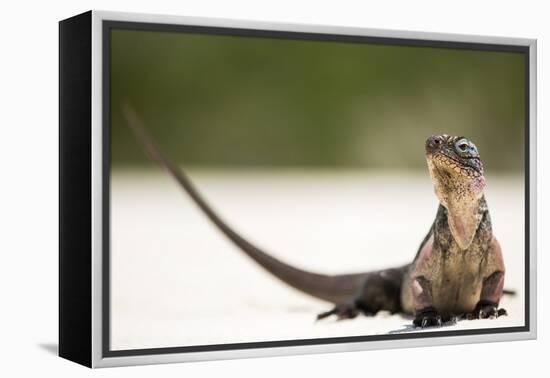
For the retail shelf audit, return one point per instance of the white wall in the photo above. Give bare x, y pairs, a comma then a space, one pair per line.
28, 200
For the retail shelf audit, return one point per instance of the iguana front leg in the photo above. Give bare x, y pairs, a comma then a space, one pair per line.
425, 314
492, 288
487, 307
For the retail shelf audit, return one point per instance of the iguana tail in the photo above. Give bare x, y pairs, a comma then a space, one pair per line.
335, 289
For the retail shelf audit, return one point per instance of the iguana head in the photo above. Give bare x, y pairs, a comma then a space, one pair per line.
457, 176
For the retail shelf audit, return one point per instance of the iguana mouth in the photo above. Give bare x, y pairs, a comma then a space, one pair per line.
450, 163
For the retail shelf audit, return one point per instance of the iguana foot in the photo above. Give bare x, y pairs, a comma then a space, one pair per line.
342, 311
485, 310
427, 317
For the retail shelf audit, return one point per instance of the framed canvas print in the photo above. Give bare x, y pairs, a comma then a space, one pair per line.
236, 189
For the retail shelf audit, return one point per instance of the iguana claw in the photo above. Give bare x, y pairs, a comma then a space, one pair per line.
486, 310
428, 317
342, 311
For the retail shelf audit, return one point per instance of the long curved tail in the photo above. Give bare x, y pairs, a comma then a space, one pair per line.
335, 289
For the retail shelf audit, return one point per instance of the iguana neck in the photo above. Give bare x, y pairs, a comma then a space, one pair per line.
463, 199
464, 223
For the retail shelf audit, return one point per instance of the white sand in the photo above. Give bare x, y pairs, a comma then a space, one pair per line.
176, 281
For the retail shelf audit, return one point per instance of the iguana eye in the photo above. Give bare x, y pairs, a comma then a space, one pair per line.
466, 148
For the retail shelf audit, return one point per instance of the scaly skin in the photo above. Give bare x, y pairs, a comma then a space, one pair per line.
458, 269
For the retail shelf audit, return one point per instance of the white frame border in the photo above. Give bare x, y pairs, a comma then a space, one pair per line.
97, 153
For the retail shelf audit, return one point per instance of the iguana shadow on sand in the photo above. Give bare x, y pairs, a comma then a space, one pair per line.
458, 271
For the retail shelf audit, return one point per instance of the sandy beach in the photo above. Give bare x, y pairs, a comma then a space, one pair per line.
176, 281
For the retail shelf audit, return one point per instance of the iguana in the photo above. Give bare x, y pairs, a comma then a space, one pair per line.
458, 270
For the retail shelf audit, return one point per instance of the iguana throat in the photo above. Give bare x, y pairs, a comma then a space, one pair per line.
457, 176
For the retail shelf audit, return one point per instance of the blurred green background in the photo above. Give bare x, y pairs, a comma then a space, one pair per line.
227, 101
